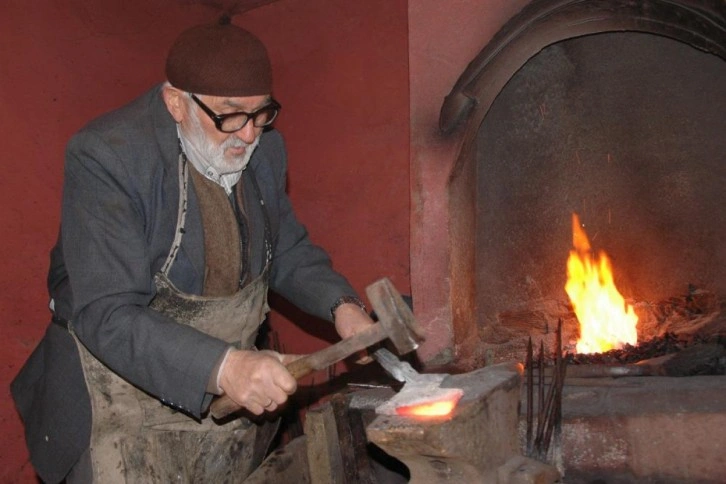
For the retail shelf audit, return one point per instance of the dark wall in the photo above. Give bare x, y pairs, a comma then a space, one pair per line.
341, 73
624, 129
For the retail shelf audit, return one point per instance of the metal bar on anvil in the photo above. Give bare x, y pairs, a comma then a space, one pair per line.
419, 391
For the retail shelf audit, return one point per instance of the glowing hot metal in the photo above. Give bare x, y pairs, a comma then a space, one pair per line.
421, 396
431, 409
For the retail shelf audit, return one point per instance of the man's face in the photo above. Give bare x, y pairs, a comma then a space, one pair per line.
226, 152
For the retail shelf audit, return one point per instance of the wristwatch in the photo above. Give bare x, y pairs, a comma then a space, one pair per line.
346, 300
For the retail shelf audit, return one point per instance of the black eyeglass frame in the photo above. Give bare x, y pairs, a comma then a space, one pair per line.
219, 119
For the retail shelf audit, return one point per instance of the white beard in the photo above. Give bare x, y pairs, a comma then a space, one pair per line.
204, 153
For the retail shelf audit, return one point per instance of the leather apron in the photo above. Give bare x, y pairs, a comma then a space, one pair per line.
137, 438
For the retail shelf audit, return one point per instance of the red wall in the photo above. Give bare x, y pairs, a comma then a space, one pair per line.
436, 60
341, 73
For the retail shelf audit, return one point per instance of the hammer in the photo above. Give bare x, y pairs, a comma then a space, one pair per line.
395, 322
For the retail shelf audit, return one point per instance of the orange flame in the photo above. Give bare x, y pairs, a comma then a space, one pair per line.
439, 408
606, 321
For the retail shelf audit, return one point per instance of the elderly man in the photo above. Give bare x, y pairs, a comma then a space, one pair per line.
174, 224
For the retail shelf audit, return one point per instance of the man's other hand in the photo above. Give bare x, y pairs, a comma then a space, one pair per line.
351, 319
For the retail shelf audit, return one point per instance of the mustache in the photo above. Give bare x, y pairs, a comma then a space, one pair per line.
234, 142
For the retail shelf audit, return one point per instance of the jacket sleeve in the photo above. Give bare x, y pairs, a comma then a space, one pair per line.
302, 272
109, 268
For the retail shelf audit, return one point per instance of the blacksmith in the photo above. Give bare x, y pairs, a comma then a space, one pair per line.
175, 223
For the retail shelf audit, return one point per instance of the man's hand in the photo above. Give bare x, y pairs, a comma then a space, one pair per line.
350, 319
257, 380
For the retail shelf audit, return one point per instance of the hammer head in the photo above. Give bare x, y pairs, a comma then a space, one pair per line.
394, 316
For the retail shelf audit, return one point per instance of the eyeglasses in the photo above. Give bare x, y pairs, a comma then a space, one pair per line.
232, 122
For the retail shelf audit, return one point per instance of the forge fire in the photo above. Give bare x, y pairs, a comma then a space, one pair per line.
606, 320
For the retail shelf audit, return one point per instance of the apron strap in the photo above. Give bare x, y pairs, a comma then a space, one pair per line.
181, 213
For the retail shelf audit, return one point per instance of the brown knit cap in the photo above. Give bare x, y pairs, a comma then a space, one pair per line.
219, 59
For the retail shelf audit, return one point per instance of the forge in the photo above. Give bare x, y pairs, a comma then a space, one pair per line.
611, 109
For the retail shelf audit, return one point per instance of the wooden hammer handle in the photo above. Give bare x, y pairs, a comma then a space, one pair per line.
337, 352
319, 360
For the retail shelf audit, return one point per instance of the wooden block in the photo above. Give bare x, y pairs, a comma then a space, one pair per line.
352, 442
324, 458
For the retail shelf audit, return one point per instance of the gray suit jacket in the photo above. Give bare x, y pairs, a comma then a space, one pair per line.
119, 212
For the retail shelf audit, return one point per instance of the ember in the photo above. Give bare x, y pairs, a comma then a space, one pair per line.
658, 346
606, 322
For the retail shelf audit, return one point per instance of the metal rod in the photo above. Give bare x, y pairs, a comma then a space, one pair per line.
555, 392
543, 430
541, 397
530, 394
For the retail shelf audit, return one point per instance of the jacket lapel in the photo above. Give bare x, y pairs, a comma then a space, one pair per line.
166, 135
